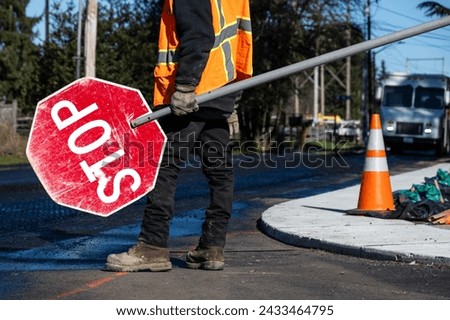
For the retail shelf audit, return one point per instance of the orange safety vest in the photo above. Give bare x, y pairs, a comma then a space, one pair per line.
230, 58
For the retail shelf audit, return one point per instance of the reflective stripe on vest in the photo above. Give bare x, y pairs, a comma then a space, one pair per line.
171, 56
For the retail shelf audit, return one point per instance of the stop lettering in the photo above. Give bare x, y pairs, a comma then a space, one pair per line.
84, 151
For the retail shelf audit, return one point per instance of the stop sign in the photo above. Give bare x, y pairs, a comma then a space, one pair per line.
84, 151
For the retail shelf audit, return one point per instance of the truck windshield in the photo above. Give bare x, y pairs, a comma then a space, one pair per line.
397, 96
430, 98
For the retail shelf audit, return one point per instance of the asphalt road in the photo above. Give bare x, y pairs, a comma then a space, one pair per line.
51, 252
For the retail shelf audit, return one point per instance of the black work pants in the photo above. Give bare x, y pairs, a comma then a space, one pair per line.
210, 139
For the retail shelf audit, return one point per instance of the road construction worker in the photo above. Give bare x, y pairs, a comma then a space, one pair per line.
203, 45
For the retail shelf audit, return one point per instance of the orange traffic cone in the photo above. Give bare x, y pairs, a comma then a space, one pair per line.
375, 195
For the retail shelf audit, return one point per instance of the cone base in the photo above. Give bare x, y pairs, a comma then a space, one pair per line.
386, 214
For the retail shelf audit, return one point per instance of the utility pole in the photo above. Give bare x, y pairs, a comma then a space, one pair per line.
91, 37
367, 74
348, 78
47, 20
78, 57
296, 97
370, 71
294, 5
322, 89
316, 93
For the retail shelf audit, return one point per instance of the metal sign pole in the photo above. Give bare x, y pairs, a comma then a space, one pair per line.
303, 65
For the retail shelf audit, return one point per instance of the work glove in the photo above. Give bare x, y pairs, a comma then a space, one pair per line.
233, 123
183, 100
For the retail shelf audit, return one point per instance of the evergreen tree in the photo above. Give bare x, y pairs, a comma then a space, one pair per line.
127, 47
18, 53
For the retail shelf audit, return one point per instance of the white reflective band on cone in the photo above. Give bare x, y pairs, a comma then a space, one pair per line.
375, 140
375, 164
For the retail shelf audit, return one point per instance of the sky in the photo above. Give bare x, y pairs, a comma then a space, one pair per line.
427, 53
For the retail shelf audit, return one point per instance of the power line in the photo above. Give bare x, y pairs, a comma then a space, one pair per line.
400, 14
437, 41
388, 28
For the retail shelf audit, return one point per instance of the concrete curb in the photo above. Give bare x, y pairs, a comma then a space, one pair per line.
321, 222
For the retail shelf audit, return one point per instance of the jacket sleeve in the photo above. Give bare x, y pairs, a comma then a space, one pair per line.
196, 38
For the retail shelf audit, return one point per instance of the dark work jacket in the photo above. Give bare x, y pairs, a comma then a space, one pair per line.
196, 35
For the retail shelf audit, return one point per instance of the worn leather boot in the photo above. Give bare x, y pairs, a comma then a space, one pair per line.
140, 257
205, 257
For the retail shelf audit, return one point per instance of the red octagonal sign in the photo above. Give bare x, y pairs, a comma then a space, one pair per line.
84, 151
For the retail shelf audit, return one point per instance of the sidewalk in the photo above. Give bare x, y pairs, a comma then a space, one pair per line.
321, 222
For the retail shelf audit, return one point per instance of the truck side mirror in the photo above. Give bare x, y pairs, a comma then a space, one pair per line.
447, 98
378, 94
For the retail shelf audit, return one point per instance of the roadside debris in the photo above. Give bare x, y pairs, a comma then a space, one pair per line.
440, 218
428, 201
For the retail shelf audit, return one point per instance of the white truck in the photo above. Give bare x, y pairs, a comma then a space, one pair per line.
414, 111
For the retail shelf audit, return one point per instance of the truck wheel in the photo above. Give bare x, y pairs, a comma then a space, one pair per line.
395, 149
441, 149
446, 149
